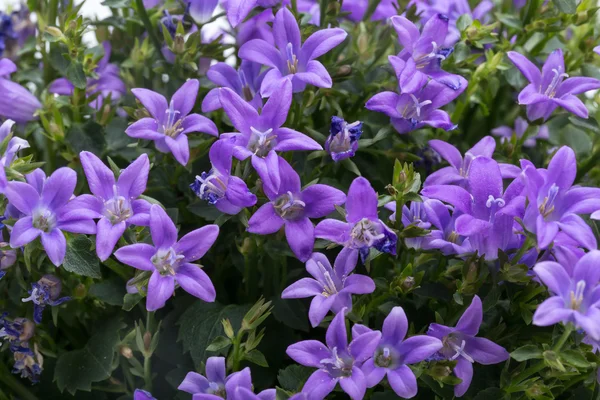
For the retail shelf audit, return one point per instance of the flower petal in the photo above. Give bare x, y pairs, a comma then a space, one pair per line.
59, 188
100, 178
309, 353
185, 97
471, 319
300, 236
23, 232
198, 123
260, 51
354, 385
22, 195
145, 128
485, 352
107, 236
527, 68
321, 42
265, 221
133, 179
403, 381
195, 244
361, 201
463, 370
137, 255
418, 348
162, 228
55, 244
160, 289
195, 281
155, 103
305, 287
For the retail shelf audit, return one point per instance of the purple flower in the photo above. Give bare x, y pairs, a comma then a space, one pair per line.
410, 111
343, 138
576, 295
257, 27
260, 135
331, 288
292, 207
140, 394
107, 84
170, 261
394, 353
47, 210
45, 292
487, 209
505, 132
7, 31
549, 89
228, 193
461, 344
336, 362
202, 10
554, 203
170, 123
597, 49
414, 215
28, 362
16, 102
289, 59
363, 229
15, 144
238, 10
423, 54
116, 203
16, 332
245, 82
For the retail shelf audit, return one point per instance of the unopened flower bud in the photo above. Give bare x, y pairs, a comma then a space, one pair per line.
126, 352
54, 31
147, 340
178, 44
408, 283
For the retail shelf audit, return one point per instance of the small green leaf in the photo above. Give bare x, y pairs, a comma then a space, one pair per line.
293, 377
130, 300
110, 292
566, 6
526, 352
219, 343
80, 259
574, 358
257, 358
76, 75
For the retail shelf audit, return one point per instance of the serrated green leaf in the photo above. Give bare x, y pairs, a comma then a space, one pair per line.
75, 75
80, 258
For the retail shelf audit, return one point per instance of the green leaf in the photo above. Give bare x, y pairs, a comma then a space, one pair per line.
110, 292
566, 6
292, 313
526, 352
590, 124
350, 166
78, 369
575, 358
201, 324
219, 343
130, 300
117, 3
491, 393
463, 22
88, 137
293, 377
76, 75
257, 358
80, 259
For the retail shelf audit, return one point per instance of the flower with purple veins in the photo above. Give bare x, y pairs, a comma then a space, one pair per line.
47, 209
552, 87
115, 201
289, 59
140, 394
228, 193
16, 103
461, 344
506, 132
245, 82
343, 138
363, 229
575, 297
170, 123
337, 361
554, 204
410, 111
45, 292
259, 136
487, 209
458, 171
423, 54
170, 260
395, 352
293, 207
331, 288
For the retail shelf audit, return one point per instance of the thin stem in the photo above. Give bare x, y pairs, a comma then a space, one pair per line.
563, 339
148, 25
148, 356
50, 21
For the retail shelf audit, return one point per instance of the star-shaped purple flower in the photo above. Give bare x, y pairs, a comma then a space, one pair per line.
343, 138
363, 229
260, 135
170, 260
394, 353
506, 132
140, 394
170, 123
293, 207
461, 344
245, 82
337, 361
576, 295
115, 202
549, 88
331, 288
289, 59
47, 210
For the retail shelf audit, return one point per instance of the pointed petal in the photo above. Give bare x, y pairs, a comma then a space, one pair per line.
485, 352
463, 370
22, 196
198, 123
195, 281
23, 232
554, 276
361, 201
275, 111
527, 68
300, 235
155, 103
551, 311
265, 221
55, 244
59, 188
354, 385
195, 244
100, 178
185, 97
321, 42
403, 381
260, 51
305, 287
137, 256
133, 179
162, 228
241, 114
107, 236
418, 348
308, 353
448, 152
160, 289
321, 200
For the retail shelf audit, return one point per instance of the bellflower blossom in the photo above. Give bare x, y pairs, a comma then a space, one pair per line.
140, 394
28, 363
423, 53
245, 82
575, 296
47, 211
554, 203
238, 10
45, 292
15, 144
260, 135
488, 210
331, 288
116, 200
16, 102
506, 132
170, 123
257, 27
395, 352
16, 332
343, 138
414, 215
7, 31
293, 207
228, 193
461, 344
363, 229
550, 88
170, 260
458, 171
410, 111
289, 59
337, 361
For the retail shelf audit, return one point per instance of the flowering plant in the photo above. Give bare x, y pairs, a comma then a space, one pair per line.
300, 199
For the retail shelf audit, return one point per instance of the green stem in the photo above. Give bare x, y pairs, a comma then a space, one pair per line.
563, 339
237, 347
50, 21
148, 357
526, 246
8, 380
148, 25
